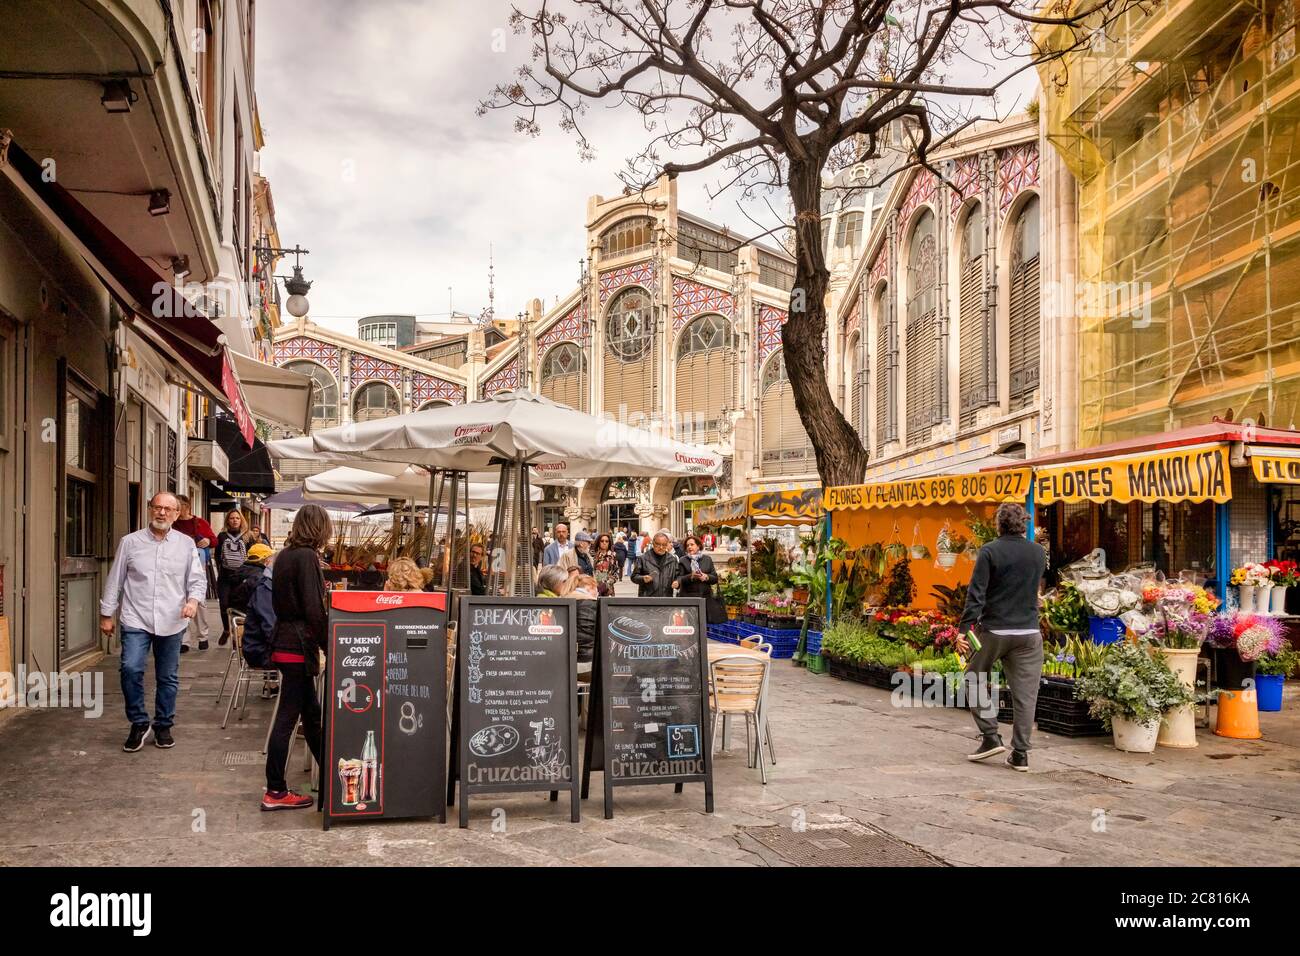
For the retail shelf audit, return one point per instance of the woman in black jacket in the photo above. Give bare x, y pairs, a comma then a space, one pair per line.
697, 575
301, 621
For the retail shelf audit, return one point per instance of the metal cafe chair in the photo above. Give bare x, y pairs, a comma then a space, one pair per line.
740, 688
234, 620
245, 677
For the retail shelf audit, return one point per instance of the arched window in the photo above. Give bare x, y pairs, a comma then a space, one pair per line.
629, 353
849, 230
786, 449
1023, 307
630, 235
434, 403
852, 382
325, 395
706, 377
886, 368
564, 370
974, 340
375, 400
922, 331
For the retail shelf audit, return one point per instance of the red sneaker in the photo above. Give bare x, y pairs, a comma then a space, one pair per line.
288, 800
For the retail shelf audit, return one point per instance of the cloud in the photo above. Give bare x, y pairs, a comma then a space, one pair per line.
381, 168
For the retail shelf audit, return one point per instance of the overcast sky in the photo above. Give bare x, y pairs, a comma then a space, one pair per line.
379, 166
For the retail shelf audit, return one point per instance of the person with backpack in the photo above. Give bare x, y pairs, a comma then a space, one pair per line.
301, 623
253, 597
232, 551
245, 580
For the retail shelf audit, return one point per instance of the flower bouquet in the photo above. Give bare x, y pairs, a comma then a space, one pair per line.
1285, 574
1250, 580
1240, 640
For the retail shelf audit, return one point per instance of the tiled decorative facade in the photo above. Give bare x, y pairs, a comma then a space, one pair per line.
425, 388
965, 181
301, 347
1017, 171
568, 328
770, 320
640, 273
365, 368
923, 190
690, 298
506, 377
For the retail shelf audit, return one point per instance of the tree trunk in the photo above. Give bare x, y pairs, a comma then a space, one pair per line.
841, 457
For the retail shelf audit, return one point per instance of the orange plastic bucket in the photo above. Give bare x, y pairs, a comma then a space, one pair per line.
1238, 715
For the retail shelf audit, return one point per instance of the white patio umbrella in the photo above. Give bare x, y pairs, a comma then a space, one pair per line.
521, 432
513, 425
370, 487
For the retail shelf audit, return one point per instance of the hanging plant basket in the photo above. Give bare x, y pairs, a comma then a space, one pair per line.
946, 559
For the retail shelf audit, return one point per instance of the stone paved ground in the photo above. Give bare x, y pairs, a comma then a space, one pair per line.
848, 762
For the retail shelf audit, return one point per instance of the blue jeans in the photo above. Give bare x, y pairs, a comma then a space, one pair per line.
166, 665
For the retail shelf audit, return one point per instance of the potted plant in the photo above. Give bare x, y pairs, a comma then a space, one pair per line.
1285, 575
1273, 669
1130, 692
1178, 631
982, 531
1250, 579
949, 546
1240, 640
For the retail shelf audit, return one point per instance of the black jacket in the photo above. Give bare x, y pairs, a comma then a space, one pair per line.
1003, 592
584, 562
620, 552
298, 596
691, 588
242, 583
586, 629
664, 571
477, 580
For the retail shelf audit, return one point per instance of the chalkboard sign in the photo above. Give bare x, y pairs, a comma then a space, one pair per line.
385, 739
518, 721
650, 720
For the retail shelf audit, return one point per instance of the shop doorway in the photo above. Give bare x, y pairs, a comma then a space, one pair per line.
618, 505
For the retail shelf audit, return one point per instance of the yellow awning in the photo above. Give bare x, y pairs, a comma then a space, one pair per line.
799, 506
1275, 466
1009, 485
1194, 473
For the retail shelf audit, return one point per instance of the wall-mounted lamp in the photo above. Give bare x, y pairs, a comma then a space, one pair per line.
160, 202
118, 96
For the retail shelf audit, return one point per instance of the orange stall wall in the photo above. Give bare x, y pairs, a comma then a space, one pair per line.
863, 527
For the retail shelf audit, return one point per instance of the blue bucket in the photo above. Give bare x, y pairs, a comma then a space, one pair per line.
1105, 630
1268, 690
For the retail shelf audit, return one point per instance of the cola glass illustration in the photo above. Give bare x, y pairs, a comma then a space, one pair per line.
350, 779
369, 768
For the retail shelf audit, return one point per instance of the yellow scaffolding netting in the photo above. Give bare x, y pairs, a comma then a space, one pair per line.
1179, 121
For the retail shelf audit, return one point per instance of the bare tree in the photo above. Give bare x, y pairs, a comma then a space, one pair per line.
776, 93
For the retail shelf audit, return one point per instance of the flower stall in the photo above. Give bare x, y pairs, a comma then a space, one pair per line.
768, 591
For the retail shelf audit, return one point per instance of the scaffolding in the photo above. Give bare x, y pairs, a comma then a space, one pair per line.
1179, 122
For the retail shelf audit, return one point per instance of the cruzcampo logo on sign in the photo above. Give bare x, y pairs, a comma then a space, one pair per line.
1196, 474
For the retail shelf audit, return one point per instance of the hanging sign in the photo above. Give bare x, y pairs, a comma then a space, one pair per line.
1185, 474
1274, 469
1009, 485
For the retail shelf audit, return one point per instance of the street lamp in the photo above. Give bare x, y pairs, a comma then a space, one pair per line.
297, 287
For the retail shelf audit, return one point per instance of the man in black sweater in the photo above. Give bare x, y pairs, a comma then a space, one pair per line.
1002, 602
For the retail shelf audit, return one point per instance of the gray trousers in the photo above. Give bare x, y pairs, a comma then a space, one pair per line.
1022, 669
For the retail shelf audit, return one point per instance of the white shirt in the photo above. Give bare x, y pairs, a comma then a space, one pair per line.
150, 581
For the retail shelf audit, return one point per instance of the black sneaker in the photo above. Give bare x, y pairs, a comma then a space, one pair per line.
135, 740
221, 641
989, 746
1019, 760
203, 645
162, 737
185, 648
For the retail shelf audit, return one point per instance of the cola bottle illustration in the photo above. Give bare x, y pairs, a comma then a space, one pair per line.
369, 768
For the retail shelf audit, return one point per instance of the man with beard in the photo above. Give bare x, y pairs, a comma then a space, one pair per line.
154, 586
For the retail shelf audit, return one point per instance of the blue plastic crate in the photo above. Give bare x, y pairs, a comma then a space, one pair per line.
1105, 630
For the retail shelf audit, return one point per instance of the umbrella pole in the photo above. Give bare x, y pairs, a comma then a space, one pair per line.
749, 558
494, 568
524, 543
451, 532
435, 493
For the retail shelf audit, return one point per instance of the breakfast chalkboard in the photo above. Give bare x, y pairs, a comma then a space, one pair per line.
650, 719
385, 734
518, 722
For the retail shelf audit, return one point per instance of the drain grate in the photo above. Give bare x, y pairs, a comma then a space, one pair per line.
839, 846
242, 758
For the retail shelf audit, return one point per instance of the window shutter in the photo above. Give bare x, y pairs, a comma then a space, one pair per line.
1024, 333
